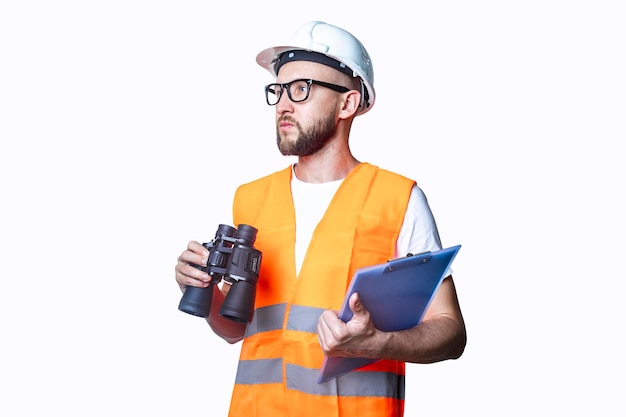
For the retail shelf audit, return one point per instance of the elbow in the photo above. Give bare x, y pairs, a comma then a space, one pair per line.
458, 352
232, 340
459, 346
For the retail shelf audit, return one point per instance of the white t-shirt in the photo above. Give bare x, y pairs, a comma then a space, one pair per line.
418, 234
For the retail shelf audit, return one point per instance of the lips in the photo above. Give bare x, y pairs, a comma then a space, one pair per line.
285, 124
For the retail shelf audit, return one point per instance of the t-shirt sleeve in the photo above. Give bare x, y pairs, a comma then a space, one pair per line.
419, 231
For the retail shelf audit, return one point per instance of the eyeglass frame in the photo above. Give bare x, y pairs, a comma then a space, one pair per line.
309, 82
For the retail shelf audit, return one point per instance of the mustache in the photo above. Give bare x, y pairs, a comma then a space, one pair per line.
288, 119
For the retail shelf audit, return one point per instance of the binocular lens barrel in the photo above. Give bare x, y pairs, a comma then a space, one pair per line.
239, 303
225, 230
247, 233
197, 301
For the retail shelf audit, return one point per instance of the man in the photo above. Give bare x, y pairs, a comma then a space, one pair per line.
318, 221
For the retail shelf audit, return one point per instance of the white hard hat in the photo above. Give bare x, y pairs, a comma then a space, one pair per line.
329, 41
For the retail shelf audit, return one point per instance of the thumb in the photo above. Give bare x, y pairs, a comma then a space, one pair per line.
356, 305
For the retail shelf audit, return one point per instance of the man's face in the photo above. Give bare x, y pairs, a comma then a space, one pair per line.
304, 128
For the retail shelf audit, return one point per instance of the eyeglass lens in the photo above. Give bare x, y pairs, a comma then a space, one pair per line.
297, 91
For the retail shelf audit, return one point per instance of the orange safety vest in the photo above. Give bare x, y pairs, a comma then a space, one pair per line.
280, 356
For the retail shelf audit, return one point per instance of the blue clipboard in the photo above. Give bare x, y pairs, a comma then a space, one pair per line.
396, 294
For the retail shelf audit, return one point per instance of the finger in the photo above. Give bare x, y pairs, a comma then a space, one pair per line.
196, 247
195, 254
187, 274
190, 281
322, 325
356, 305
321, 337
326, 335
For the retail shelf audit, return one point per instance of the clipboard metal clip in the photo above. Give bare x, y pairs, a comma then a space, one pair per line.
399, 265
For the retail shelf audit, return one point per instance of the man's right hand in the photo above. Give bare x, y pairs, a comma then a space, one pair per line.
188, 275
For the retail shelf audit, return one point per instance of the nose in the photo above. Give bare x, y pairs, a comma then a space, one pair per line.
284, 104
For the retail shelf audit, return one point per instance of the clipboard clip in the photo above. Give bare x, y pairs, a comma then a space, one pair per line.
391, 267
408, 255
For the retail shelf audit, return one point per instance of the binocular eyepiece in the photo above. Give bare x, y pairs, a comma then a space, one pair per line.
233, 258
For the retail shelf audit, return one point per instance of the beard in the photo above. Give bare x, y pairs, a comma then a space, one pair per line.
309, 140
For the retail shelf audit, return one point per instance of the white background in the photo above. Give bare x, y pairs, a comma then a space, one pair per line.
125, 127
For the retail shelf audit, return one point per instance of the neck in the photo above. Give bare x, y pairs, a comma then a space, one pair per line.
318, 169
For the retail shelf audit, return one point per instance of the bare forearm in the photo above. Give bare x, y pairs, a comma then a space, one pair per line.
439, 337
435, 340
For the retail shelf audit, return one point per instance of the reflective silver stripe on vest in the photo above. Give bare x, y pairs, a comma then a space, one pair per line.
260, 371
301, 318
266, 319
304, 319
354, 384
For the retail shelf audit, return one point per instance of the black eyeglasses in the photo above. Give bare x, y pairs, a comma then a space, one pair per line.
297, 90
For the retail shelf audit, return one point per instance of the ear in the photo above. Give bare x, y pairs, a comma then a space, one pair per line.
351, 103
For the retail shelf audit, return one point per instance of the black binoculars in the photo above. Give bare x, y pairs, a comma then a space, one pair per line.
233, 258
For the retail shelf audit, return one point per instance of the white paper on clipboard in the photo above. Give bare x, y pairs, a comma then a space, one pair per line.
396, 294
